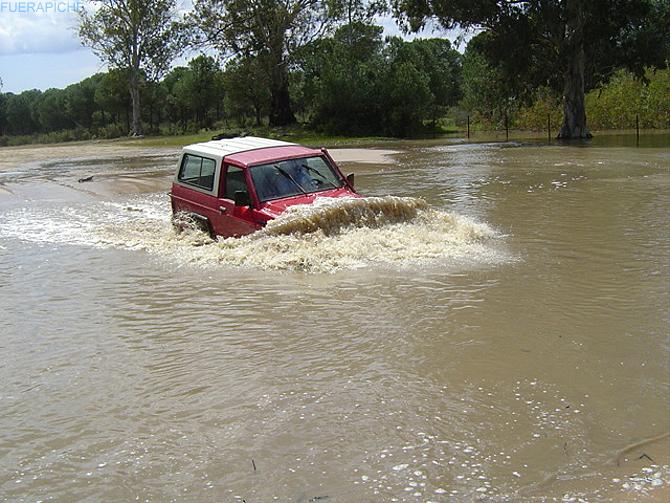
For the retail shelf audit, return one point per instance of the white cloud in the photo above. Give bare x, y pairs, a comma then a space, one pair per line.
38, 32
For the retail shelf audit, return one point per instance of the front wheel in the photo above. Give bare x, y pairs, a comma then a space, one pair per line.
185, 221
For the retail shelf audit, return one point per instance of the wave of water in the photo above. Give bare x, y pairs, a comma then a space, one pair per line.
327, 236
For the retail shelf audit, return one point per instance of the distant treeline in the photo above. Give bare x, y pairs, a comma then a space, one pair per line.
617, 104
354, 82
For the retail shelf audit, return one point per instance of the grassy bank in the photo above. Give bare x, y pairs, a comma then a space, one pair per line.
295, 135
649, 137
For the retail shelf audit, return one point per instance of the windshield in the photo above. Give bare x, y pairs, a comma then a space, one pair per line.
294, 177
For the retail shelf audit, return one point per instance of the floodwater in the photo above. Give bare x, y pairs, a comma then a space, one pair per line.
504, 338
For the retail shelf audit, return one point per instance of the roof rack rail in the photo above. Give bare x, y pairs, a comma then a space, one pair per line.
228, 136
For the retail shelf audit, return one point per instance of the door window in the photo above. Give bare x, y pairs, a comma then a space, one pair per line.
197, 171
234, 181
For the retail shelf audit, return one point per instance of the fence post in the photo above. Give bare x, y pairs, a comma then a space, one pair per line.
549, 128
506, 127
468, 127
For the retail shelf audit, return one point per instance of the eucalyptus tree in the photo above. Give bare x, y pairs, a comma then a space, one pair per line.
269, 31
141, 37
570, 45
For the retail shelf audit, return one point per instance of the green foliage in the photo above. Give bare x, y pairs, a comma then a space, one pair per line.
140, 37
484, 94
355, 83
349, 82
247, 90
80, 101
202, 92
112, 99
615, 105
266, 29
545, 108
408, 99
569, 46
20, 112
343, 80
657, 99
612, 105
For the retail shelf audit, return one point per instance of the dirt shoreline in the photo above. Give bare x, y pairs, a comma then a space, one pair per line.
12, 158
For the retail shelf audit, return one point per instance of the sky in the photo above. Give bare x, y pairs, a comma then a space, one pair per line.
39, 48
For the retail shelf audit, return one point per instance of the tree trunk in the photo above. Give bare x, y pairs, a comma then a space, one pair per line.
574, 112
280, 104
258, 112
136, 129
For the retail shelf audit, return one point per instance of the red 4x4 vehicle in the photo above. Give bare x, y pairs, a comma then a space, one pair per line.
235, 186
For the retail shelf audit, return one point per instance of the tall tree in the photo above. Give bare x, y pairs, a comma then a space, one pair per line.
112, 98
201, 90
139, 36
534, 41
243, 99
268, 30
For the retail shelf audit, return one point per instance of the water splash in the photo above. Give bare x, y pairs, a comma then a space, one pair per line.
328, 236
332, 215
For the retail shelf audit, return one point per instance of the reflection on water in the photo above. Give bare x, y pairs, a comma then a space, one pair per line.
533, 363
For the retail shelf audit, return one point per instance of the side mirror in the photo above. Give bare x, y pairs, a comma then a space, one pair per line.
242, 198
350, 180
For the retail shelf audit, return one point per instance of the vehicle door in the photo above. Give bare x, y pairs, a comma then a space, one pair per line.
195, 191
235, 220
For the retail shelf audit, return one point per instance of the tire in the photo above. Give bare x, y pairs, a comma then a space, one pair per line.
184, 221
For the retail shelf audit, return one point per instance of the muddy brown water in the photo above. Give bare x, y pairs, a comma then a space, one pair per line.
511, 344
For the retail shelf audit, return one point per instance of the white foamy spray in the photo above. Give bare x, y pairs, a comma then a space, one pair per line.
330, 235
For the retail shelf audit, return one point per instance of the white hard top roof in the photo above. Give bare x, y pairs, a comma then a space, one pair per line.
228, 146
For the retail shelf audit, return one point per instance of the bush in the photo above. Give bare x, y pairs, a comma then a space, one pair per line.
534, 117
112, 131
614, 105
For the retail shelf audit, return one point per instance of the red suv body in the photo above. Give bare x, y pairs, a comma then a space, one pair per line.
235, 186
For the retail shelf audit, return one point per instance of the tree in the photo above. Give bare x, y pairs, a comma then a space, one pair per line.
440, 63
343, 80
20, 112
50, 110
269, 30
356, 82
484, 91
139, 36
112, 98
241, 98
200, 88
80, 101
569, 45
177, 99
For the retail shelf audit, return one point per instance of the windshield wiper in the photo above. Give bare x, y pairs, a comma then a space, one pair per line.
286, 174
316, 171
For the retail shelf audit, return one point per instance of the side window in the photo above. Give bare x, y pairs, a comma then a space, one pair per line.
234, 181
198, 171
